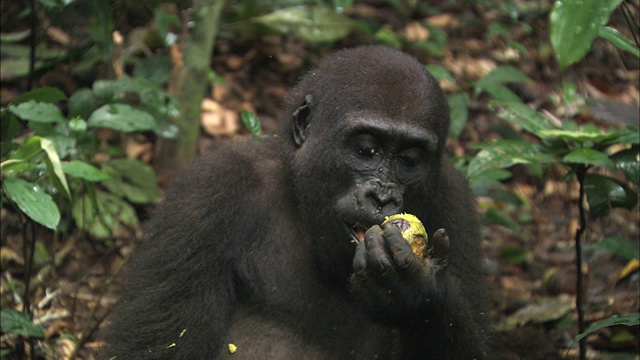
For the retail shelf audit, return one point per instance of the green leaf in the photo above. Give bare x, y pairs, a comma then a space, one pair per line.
82, 103
102, 216
83, 170
523, 116
620, 246
604, 193
581, 136
43, 95
311, 23
252, 122
440, 72
33, 201
627, 161
513, 254
589, 157
18, 323
574, 24
132, 179
459, 105
502, 94
618, 40
121, 117
501, 75
628, 320
501, 154
37, 112
54, 161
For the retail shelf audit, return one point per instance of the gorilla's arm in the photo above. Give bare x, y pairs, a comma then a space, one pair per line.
180, 296
425, 298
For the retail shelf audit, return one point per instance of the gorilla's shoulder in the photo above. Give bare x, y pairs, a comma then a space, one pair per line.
238, 169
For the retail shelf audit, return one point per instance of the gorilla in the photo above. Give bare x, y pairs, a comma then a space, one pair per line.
272, 248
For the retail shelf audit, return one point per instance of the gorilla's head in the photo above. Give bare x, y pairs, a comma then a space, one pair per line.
368, 127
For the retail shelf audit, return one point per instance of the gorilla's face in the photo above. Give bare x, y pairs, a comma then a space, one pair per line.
384, 161
368, 143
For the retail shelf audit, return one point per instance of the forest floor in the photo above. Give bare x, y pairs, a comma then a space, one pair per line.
533, 298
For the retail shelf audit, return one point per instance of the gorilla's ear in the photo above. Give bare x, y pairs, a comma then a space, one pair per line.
301, 120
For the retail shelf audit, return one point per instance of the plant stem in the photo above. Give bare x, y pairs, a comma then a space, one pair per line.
581, 171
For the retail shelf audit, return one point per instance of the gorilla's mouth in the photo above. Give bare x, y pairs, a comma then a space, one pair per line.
357, 232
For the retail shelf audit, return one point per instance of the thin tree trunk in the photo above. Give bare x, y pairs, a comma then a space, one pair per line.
191, 60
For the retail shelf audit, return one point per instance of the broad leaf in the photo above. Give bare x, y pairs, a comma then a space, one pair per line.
441, 73
102, 216
589, 157
33, 201
121, 117
574, 24
37, 112
604, 193
312, 23
83, 170
132, 179
618, 245
43, 95
18, 323
627, 161
500, 75
502, 154
523, 116
628, 320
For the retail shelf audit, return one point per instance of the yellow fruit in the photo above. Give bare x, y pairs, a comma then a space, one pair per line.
412, 230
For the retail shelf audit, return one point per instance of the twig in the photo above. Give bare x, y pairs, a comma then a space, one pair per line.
581, 171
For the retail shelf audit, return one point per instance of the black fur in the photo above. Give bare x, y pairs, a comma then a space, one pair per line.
253, 244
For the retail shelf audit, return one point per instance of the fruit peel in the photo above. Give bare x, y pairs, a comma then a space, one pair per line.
412, 230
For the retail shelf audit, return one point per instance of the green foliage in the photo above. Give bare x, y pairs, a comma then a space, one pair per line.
311, 23
18, 323
627, 320
575, 24
40, 170
251, 122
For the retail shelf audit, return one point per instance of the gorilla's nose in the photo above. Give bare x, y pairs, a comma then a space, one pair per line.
381, 198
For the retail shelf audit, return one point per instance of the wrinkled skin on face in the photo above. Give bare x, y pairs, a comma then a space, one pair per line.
386, 131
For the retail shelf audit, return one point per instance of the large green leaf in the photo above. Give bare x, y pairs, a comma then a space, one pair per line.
102, 216
312, 23
33, 201
628, 320
37, 111
83, 170
18, 323
121, 117
588, 157
132, 179
502, 154
43, 94
605, 193
627, 161
500, 75
574, 24
523, 116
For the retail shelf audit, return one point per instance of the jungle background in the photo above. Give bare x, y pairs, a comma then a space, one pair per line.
103, 101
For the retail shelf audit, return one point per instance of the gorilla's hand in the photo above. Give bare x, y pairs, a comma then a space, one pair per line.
392, 282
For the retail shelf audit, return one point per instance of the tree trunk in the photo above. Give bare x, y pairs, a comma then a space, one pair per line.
191, 60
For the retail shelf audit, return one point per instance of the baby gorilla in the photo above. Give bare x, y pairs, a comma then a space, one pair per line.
274, 245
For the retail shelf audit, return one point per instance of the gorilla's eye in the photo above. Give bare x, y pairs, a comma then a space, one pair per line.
367, 145
410, 157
